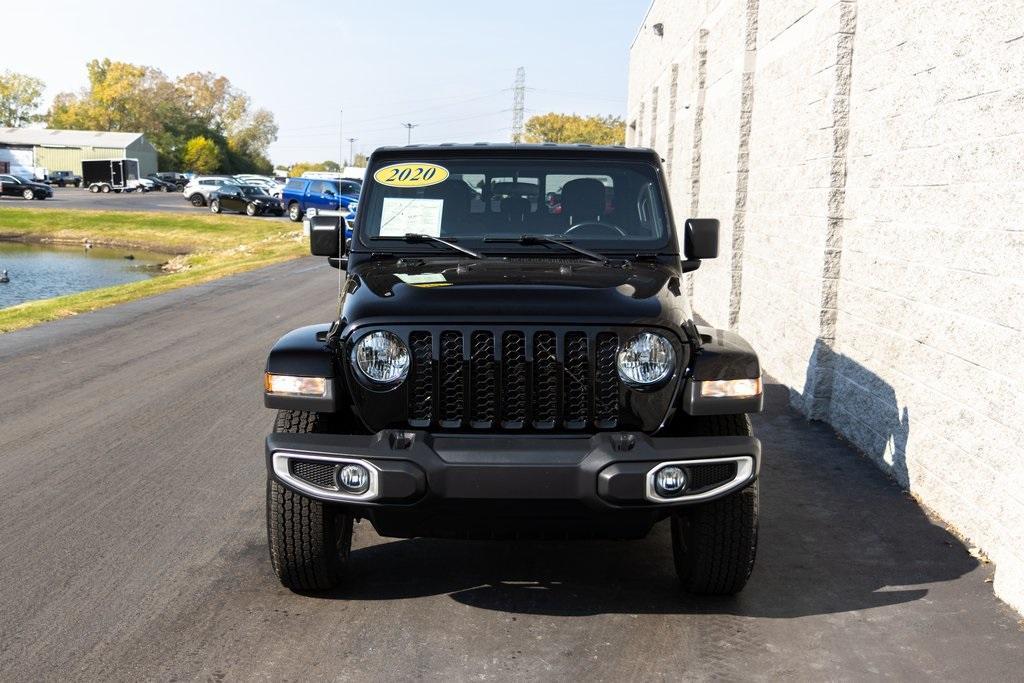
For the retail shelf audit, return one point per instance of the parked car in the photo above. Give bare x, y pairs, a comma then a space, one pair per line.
307, 195
175, 181
272, 187
64, 178
514, 372
248, 199
20, 186
143, 185
198, 190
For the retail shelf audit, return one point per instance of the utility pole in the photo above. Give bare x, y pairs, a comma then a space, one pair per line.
409, 127
341, 136
351, 150
518, 104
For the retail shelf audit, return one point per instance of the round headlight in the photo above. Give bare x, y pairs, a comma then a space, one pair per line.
382, 357
646, 359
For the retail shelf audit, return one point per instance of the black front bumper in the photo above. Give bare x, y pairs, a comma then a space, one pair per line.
417, 474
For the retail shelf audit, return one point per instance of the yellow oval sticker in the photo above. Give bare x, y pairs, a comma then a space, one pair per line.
412, 174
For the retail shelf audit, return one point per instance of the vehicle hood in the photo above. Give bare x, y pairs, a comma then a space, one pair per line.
514, 289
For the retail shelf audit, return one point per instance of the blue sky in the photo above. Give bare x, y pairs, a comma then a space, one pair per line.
447, 65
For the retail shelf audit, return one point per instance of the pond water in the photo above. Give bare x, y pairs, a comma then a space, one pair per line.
42, 271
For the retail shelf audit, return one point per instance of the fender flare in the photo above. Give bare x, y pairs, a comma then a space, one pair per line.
304, 352
723, 355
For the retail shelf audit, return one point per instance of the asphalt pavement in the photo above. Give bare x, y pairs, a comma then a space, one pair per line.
81, 199
132, 542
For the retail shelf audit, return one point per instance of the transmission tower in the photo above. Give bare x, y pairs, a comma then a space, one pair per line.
518, 104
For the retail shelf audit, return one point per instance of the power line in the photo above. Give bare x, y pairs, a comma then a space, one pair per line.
583, 95
435, 122
462, 100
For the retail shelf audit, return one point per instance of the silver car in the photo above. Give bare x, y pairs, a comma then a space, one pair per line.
198, 190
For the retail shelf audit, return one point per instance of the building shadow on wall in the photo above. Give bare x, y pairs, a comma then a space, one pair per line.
862, 406
836, 535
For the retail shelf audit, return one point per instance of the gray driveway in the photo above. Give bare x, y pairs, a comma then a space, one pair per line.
132, 541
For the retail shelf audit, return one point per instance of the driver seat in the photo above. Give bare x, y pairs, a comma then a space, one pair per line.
583, 200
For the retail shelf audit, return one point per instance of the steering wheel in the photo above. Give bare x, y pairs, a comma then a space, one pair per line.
606, 227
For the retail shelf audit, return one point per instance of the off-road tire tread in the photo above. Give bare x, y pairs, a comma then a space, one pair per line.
714, 544
309, 540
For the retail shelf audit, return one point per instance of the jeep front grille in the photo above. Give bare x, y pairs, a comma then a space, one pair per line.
512, 379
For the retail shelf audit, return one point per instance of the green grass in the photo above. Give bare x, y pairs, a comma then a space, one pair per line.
213, 247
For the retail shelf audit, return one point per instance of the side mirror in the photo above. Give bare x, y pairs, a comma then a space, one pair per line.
701, 238
325, 235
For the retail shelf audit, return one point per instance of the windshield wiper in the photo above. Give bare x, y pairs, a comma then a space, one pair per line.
527, 240
414, 238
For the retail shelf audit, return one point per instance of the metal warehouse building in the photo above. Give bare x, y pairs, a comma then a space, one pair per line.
25, 149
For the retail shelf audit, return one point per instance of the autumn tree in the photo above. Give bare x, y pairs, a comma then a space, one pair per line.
572, 128
202, 155
172, 114
20, 96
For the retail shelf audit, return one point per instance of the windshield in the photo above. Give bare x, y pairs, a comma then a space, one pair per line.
22, 179
604, 204
253, 191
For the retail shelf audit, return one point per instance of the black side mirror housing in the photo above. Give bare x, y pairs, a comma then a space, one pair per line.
325, 235
701, 239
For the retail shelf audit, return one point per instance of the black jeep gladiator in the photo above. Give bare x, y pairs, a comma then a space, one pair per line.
515, 355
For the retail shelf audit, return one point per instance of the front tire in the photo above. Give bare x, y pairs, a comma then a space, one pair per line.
714, 544
214, 206
309, 540
294, 212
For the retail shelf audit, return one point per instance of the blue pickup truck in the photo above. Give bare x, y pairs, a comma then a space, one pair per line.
309, 195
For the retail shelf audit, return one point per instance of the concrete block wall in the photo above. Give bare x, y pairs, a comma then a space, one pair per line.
866, 160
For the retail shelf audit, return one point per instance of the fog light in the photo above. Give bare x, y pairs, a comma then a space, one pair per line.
669, 481
354, 478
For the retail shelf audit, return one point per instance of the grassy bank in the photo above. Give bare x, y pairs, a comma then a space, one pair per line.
211, 247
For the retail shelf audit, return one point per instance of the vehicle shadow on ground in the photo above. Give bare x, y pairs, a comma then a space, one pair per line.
836, 535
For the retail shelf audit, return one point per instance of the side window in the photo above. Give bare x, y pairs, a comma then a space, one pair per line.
315, 187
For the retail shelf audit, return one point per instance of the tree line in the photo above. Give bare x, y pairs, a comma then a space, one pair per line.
201, 122
198, 122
